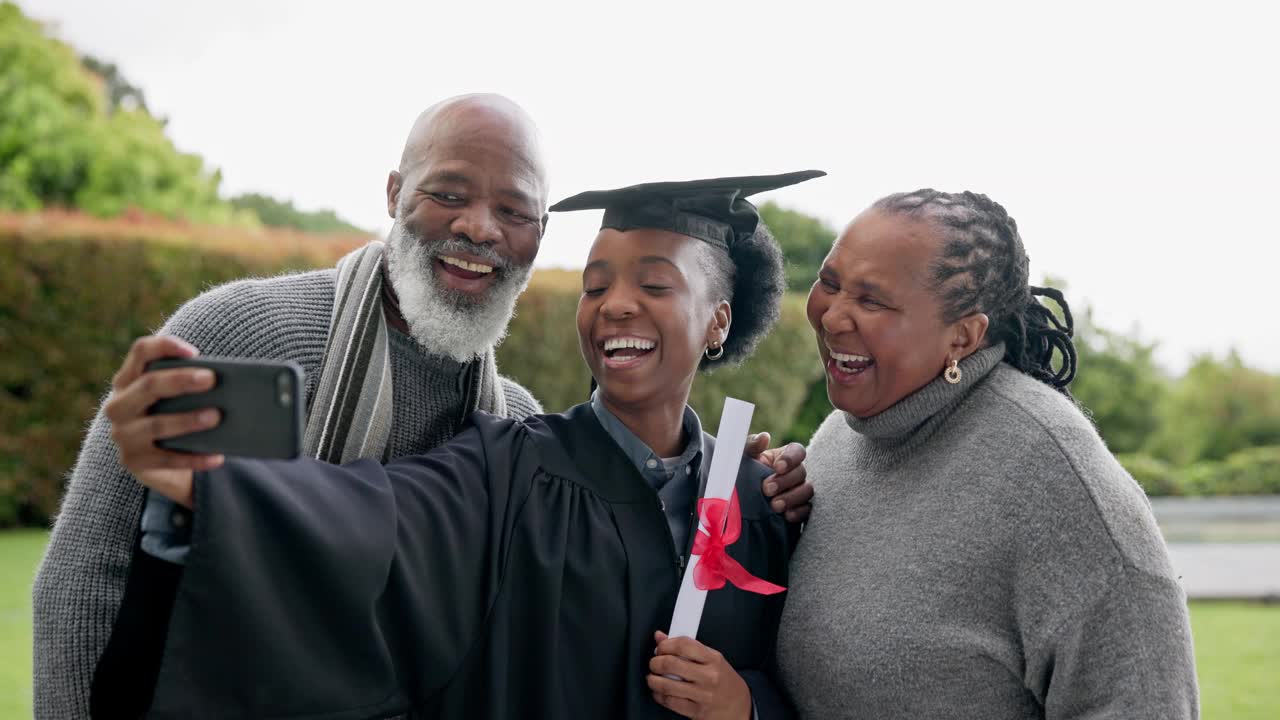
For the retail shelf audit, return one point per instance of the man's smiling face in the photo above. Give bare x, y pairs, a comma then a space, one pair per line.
468, 205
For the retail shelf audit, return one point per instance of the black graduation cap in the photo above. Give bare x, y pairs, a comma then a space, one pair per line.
715, 210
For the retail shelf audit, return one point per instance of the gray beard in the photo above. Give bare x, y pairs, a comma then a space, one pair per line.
440, 319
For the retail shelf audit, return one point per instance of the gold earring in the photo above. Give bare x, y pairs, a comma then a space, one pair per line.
719, 351
953, 374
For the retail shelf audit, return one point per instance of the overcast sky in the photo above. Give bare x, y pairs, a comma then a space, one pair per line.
1135, 143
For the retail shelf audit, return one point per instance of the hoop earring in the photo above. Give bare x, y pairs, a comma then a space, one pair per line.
719, 352
953, 374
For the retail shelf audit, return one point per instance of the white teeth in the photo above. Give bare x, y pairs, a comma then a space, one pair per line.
841, 357
473, 267
622, 343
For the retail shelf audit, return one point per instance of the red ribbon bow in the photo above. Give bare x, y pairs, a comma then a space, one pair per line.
723, 523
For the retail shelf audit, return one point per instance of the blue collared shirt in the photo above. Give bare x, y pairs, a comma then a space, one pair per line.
674, 479
166, 529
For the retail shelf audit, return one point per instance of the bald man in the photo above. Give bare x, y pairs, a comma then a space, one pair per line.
469, 205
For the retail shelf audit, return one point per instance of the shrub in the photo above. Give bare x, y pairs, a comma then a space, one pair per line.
813, 410
1253, 471
776, 378
75, 291
1156, 476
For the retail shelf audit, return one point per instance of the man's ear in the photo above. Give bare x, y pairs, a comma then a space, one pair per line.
394, 181
546, 218
968, 334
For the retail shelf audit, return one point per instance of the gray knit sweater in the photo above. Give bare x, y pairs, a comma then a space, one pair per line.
82, 578
975, 552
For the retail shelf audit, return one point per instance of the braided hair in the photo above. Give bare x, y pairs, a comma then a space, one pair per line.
983, 267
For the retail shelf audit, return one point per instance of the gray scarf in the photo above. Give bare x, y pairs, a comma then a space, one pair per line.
350, 415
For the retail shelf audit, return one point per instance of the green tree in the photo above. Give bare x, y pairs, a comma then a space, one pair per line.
277, 213
135, 165
47, 106
1119, 383
1216, 409
64, 142
805, 242
119, 91
1117, 380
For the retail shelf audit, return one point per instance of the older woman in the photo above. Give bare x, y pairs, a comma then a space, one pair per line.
976, 551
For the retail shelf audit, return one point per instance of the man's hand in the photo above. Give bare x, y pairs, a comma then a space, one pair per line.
709, 689
792, 494
133, 391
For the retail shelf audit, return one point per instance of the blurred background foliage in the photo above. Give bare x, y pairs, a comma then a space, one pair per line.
92, 191
281, 213
75, 133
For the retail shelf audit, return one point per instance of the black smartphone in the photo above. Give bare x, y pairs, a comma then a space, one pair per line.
261, 405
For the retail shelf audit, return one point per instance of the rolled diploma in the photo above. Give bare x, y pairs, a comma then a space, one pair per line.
735, 422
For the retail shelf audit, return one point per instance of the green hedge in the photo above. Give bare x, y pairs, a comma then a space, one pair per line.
69, 310
73, 297
1156, 476
1255, 471
71, 303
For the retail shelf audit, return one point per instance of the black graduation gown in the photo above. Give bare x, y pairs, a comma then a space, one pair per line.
518, 571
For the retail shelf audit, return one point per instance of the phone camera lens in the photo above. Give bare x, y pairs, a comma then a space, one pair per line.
282, 388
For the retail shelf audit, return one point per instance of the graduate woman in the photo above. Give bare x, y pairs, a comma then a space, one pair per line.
524, 569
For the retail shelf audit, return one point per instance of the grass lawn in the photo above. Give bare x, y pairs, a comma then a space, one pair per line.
20, 552
1237, 659
1237, 644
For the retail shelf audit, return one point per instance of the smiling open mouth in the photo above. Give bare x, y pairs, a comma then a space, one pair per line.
851, 364
622, 351
464, 269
